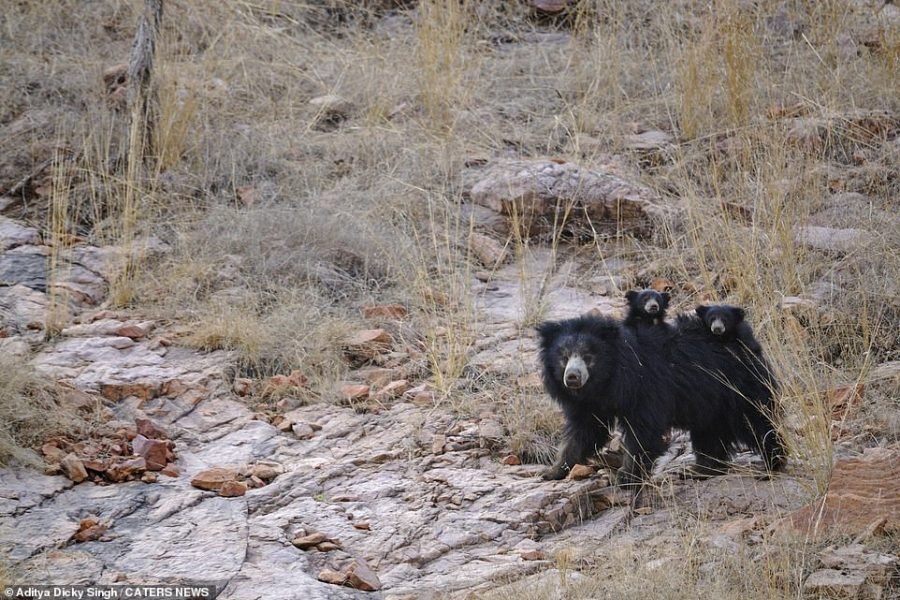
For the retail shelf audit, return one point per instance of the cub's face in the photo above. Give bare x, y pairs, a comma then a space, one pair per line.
648, 302
722, 319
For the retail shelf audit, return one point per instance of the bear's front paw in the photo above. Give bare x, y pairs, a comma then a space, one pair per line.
555, 472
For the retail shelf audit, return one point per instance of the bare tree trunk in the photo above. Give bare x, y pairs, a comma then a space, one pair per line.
142, 97
144, 104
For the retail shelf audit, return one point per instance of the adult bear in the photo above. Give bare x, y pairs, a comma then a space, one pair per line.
599, 371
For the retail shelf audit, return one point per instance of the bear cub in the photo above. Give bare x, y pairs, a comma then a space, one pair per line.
647, 307
727, 323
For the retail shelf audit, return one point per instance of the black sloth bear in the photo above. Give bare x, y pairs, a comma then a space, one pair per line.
598, 371
647, 307
727, 322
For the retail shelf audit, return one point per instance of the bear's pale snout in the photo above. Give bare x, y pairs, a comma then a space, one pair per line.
717, 326
576, 374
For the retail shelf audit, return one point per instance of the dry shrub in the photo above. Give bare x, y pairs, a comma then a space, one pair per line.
29, 413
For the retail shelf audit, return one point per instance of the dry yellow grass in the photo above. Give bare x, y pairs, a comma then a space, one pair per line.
30, 413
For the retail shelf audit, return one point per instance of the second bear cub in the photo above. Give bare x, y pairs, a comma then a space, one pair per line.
727, 323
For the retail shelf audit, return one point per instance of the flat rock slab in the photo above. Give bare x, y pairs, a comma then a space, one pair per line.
829, 239
13, 233
98, 364
433, 522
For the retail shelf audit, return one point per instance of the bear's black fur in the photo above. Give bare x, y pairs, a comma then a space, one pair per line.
598, 371
737, 383
728, 324
647, 307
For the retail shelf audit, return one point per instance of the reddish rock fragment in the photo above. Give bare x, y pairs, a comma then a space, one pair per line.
363, 525
213, 479
306, 542
384, 311
302, 431
242, 386
247, 195
124, 470
353, 392
392, 390
661, 284
154, 452
171, 470
73, 468
327, 546
297, 379
580, 472
361, 577
131, 331
149, 429
119, 391
533, 555
267, 472
233, 489
331, 576
78, 400
365, 345
52, 452
511, 459
96, 465
842, 399
488, 251
89, 529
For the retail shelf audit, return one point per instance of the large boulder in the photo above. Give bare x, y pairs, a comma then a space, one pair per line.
543, 196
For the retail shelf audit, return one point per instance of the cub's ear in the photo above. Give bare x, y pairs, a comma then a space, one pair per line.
666, 297
548, 331
702, 310
630, 295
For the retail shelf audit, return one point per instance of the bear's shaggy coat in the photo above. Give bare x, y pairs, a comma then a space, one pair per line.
600, 371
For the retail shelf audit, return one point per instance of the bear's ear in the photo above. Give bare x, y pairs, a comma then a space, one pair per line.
549, 331
702, 310
630, 295
666, 297
739, 313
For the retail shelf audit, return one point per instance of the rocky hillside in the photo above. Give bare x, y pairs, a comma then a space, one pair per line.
286, 347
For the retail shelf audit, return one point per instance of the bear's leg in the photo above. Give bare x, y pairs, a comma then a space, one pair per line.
711, 453
583, 438
763, 438
643, 444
